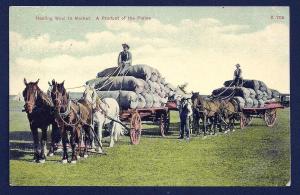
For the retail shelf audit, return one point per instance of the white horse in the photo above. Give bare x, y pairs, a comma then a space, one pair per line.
106, 107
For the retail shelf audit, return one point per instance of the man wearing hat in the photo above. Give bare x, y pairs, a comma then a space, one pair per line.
124, 59
185, 114
238, 80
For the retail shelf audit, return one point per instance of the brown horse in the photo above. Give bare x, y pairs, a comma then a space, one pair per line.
205, 109
39, 109
73, 117
229, 109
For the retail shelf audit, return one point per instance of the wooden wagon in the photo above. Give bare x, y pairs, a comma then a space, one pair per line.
267, 113
135, 118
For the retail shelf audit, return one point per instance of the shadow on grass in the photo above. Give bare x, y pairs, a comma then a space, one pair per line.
20, 135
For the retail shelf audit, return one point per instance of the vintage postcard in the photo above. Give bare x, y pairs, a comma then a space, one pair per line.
149, 96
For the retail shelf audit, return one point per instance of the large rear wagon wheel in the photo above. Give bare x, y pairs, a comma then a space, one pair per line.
270, 117
135, 128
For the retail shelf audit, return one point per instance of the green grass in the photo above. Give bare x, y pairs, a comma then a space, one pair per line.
255, 156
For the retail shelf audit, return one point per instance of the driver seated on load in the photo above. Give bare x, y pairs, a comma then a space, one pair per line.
124, 59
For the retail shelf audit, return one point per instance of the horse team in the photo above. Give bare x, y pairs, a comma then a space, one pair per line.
81, 118
87, 117
214, 113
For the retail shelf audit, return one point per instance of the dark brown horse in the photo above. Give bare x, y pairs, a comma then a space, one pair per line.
206, 110
39, 111
73, 117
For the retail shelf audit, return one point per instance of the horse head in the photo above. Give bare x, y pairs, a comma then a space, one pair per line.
30, 95
59, 95
197, 100
90, 95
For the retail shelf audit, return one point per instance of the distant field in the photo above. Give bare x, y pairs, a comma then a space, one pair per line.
255, 156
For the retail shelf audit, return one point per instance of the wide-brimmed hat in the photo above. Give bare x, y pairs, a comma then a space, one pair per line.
238, 65
125, 45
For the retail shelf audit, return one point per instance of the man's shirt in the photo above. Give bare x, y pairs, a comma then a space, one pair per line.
124, 57
238, 73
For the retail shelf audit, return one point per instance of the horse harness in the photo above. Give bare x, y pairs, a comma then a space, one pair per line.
71, 108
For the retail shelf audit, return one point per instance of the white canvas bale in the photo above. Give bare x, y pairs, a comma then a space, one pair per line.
149, 99
253, 84
164, 100
142, 71
240, 101
259, 94
255, 103
126, 83
252, 93
126, 99
229, 91
248, 103
154, 87
141, 101
163, 80
154, 77
113, 71
156, 101
261, 103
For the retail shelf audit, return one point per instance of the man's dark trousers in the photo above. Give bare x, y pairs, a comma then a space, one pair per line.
184, 126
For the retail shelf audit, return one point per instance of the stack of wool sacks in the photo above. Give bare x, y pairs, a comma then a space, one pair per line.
253, 93
140, 87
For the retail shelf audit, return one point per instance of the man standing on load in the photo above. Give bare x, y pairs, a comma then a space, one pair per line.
238, 80
124, 59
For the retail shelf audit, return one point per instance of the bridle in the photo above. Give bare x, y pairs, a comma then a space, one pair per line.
27, 99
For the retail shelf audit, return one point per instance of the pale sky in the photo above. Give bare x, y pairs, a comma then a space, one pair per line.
197, 45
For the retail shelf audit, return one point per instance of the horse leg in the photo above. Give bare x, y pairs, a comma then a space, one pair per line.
92, 136
204, 124
198, 125
215, 124
73, 144
35, 137
52, 145
232, 123
112, 135
99, 149
43, 145
64, 142
87, 139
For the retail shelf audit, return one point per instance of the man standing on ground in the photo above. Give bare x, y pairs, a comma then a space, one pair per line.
185, 114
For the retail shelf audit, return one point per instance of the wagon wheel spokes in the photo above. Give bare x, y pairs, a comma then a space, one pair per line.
249, 120
135, 128
270, 117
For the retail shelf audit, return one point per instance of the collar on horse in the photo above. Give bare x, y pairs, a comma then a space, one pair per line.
69, 109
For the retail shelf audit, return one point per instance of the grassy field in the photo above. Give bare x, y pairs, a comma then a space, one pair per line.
255, 156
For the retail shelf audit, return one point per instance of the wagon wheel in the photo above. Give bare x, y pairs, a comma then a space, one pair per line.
249, 120
135, 128
270, 117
